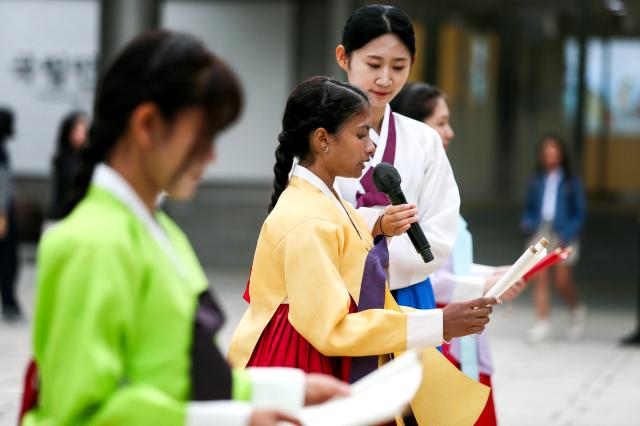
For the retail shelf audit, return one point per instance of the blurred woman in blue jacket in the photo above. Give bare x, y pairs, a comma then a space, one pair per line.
555, 208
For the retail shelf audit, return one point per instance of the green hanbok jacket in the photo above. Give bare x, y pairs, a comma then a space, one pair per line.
122, 302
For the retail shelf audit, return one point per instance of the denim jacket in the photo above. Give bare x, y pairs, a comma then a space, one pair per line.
570, 207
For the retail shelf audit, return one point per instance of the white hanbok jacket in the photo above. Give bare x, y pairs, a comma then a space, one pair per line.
427, 181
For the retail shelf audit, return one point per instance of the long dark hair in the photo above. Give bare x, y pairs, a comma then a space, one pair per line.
6, 124
565, 164
64, 148
416, 100
173, 70
316, 102
374, 20
6, 131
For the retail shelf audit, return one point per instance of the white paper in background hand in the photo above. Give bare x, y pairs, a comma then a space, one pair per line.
517, 271
376, 398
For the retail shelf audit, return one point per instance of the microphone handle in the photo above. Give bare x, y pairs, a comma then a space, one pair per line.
397, 197
417, 237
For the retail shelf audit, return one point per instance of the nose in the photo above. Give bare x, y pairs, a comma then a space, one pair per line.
370, 147
384, 78
450, 132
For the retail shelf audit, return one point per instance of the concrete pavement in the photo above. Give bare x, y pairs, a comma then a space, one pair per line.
590, 382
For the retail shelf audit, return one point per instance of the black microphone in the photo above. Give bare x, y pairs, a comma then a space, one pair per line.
387, 180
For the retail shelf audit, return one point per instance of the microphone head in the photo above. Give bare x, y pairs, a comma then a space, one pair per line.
386, 178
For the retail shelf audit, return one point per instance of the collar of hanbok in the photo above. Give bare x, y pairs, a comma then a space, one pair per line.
108, 179
308, 176
381, 139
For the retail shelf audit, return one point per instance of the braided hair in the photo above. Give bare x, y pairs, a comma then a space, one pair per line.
316, 102
174, 71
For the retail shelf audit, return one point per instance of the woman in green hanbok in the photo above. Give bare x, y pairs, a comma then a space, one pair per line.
125, 324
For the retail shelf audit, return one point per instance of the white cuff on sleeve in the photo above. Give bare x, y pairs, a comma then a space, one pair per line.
467, 288
370, 215
278, 388
228, 413
424, 328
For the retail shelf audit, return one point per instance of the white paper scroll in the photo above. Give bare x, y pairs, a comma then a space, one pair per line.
529, 258
376, 398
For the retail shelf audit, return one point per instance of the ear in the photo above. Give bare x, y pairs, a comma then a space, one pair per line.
319, 140
147, 125
342, 58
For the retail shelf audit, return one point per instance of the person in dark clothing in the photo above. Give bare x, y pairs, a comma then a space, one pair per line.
72, 136
8, 229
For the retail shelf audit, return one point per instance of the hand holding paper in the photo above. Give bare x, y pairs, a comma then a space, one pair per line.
514, 291
374, 399
269, 418
529, 258
465, 318
320, 388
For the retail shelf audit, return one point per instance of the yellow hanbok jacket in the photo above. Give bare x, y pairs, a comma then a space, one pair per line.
311, 255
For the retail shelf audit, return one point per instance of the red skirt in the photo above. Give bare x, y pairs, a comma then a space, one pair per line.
280, 345
488, 416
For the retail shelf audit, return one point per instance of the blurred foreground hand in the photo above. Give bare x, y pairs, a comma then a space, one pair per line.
319, 388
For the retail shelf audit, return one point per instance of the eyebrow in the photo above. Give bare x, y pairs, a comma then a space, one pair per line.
365, 126
380, 58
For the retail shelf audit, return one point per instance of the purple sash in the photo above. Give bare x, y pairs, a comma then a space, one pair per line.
372, 292
210, 373
371, 196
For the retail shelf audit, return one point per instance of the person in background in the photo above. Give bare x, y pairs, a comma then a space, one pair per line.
377, 52
459, 278
555, 207
72, 136
8, 229
125, 320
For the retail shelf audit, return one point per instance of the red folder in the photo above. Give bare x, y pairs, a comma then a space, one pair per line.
556, 256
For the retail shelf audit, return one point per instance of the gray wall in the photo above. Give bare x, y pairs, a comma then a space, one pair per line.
256, 39
47, 68
59, 37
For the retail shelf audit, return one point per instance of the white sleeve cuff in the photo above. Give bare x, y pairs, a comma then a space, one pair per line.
484, 270
424, 328
228, 413
370, 215
278, 388
467, 288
